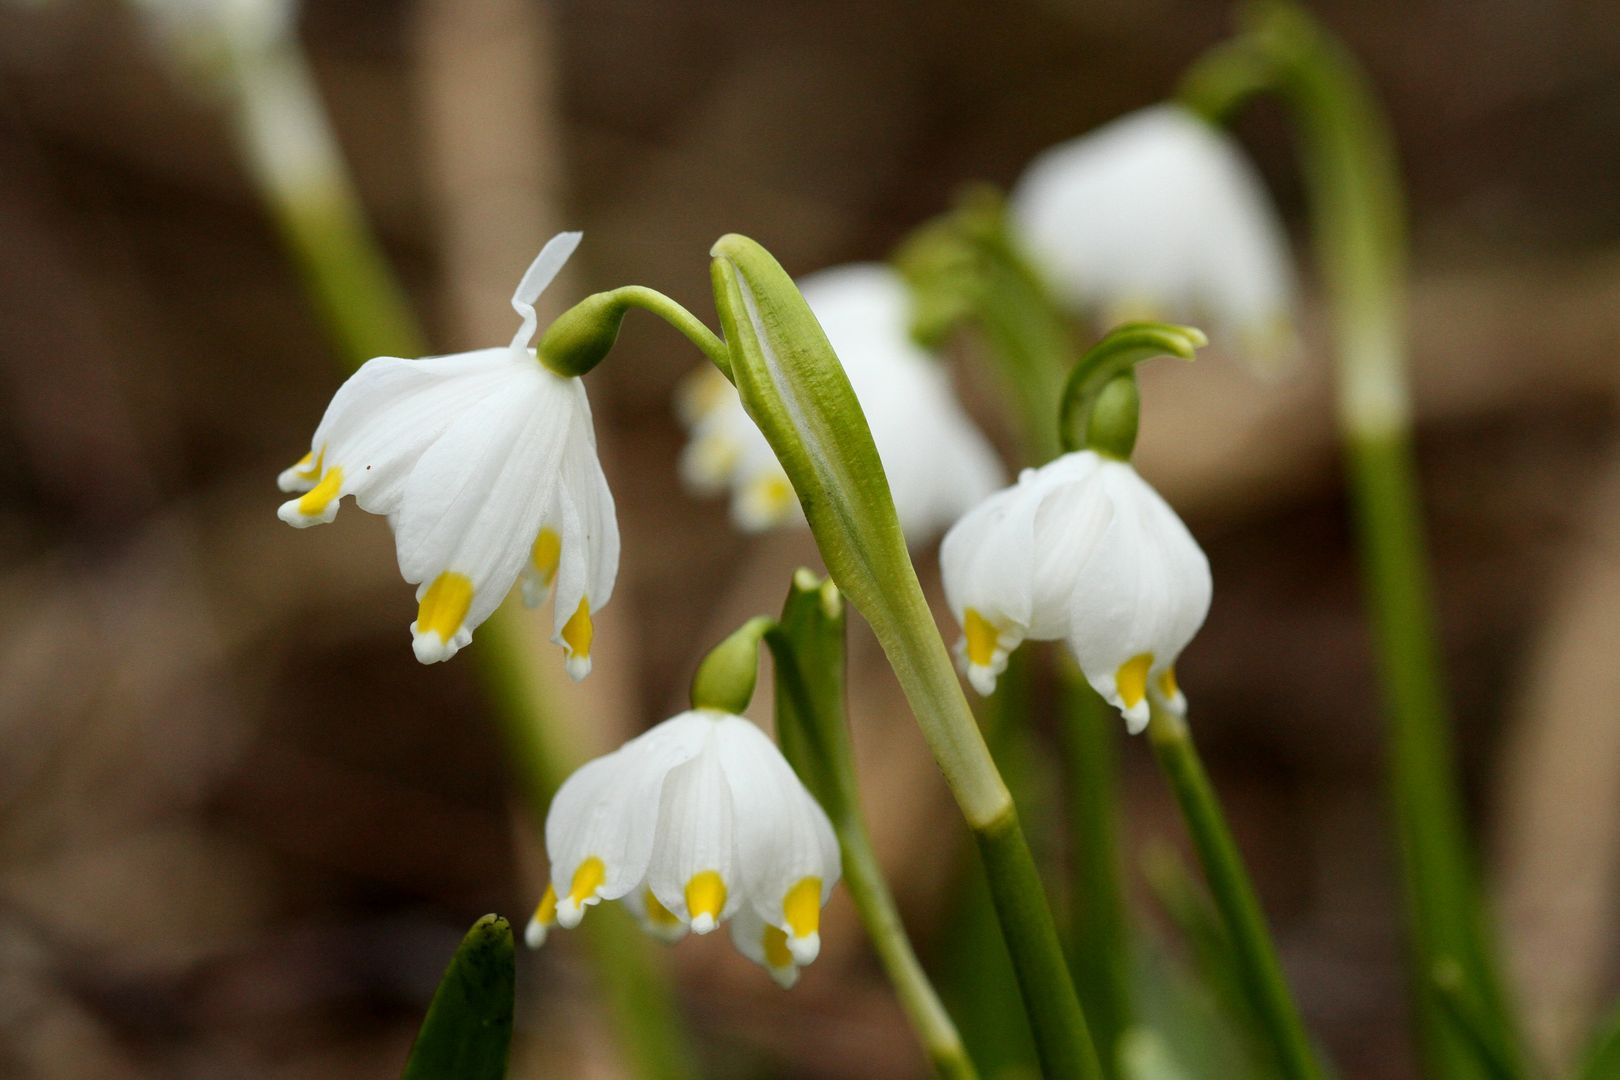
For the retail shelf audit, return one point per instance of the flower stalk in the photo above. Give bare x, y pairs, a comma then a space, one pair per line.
1349, 162
1229, 883
808, 645
792, 385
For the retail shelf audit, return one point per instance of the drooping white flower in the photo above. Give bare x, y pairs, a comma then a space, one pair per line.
485, 465
1159, 215
937, 462
697, 821
1081, 549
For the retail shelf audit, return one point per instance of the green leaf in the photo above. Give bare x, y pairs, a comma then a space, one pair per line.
468, 1028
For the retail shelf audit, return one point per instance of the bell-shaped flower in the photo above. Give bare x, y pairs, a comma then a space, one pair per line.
1081, 549
937, 462
1160, 215
697, 821
485, 465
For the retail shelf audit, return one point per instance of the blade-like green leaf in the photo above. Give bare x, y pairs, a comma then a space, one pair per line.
468, 1028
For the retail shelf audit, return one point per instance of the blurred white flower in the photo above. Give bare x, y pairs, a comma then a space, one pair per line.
695, 822
1080, 549
938, 464
485, 465
1159, 215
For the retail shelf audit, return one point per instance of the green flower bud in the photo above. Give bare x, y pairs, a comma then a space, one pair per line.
726, 677
583, 335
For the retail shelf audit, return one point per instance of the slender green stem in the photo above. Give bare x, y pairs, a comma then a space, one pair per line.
1234, 895
651, 300
814, 731
1099, 936
300, 173
290, 149
1357, 214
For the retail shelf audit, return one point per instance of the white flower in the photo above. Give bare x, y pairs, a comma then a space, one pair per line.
697, 821
485, 465
1159, 215
1080, 549
938, 464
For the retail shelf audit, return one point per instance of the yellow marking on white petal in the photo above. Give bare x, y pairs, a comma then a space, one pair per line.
444, 606
775, 494
303, 467
982, 638
1131, 679
543, 919
587, 879
545, 555
705, 899
577, 631
1167, 684
313, 503
657, 914
776, 948
801, 908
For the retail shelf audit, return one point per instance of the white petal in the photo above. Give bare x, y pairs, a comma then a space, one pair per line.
1159, 215
658, 922
748, 934
475, 501
608, 810
1144, 589
540, 274
585, 519
783, 835
695, 837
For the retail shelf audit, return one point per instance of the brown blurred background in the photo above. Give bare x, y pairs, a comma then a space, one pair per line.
241, 828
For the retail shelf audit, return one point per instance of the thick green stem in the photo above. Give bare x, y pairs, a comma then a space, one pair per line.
814, 732
1099, 936
795, 389
1234, 895
1357, 215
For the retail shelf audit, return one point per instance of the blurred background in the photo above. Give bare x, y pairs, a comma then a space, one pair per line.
241, 828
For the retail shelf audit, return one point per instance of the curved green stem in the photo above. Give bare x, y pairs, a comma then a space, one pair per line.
655, 302
808, 646
1116, 355
1234, 895
1357, 215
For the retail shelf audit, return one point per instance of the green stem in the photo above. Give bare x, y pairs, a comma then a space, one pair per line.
295, 161
814, 732
299, 171
1357, 215
655, 302
1099, 936
1234, 895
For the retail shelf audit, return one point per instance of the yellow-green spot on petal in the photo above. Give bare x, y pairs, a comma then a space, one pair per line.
313, 503
801, 908
982, 638
705, 897
577, 631
657, 914
546, 554
443, 607
1131, 679
776, 948
1167, 684
587, 879
545, 913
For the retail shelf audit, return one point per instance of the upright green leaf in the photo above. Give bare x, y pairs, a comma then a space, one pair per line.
468, 1028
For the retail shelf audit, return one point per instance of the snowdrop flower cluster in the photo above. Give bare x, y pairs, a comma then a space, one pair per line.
698, 821
1159, 215
938, 463
485, 465
1081, 549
